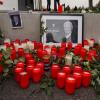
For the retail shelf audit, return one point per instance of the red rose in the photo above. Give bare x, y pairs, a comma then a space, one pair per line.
1, 69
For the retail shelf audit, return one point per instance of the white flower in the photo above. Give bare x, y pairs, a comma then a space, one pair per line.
68, 59
3, 47
7, 40
30, 45
24, 45
16, 46
91, 43
83, 11
86, 47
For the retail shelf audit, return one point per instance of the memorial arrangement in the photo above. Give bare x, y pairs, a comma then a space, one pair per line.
64, 66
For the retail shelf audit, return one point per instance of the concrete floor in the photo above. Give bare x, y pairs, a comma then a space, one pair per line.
10, 90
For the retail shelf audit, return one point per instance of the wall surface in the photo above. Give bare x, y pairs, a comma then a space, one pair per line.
31, 26
9, 5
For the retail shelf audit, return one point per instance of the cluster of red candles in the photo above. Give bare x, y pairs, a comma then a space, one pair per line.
32, 71
70, 79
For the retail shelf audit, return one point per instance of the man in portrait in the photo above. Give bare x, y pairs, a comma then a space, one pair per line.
70, 31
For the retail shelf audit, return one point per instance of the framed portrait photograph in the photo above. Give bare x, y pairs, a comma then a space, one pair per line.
15, 19
60, 27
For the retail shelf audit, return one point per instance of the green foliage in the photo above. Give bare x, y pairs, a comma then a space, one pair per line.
47, 84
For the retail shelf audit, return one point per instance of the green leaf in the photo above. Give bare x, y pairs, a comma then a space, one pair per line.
8, 62
48, 92
43, 85
6, 70
22, 59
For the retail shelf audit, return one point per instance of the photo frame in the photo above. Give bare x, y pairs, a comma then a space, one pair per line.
15, 19
62, 27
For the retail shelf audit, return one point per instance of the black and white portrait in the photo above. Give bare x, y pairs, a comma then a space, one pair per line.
62, 26
15, 19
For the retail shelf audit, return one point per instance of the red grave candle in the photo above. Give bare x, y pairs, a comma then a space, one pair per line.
7, 44
54, 70
70, 85
13, 54
60, 82
39, 53
24, 80
17, 72
35, 44
26, 40
85, 42
44, 52
77, 68
67, 70
29, 70
78, 78
63, 44
69, 46
31, 62
40, 46
77, 50
86, 78
83, 53
41, 66
20, 65
20, 52
59, 8
61, 51
28, 56
17, 41
36, 75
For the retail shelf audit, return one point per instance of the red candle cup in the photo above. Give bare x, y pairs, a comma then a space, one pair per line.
63, 44
69, 46
39, 53
77, 50
60, 82
86, 78
60, 9
70, 85
28, 56
31, 62
40, 46
61, 51
41, 66
17, 72
67, 70
17, 41
85, 42
35, 44
77, 69
24, 80
54, 70
78, 78
20, 52
36, 75
29, 70
20, 65
13, 54
83, 53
